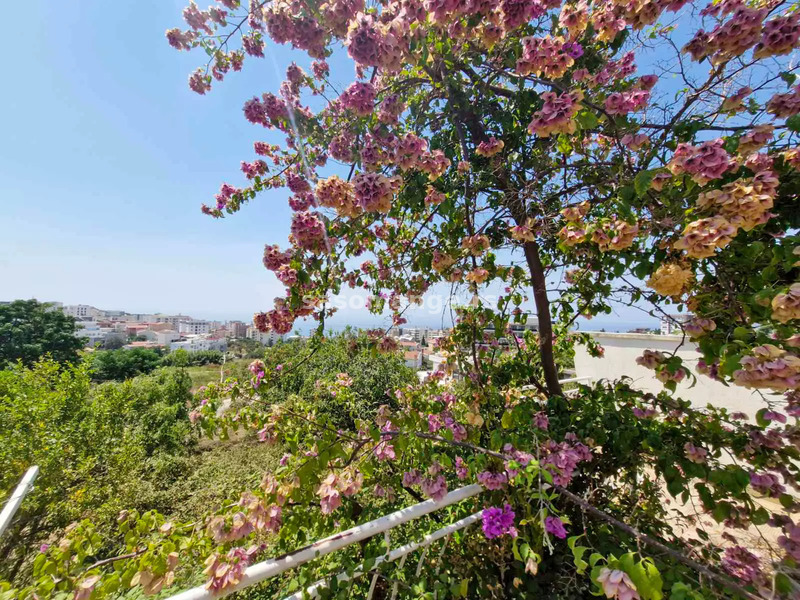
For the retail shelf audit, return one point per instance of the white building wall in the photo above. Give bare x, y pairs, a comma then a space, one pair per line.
672, 325
265, 339
92, 331
619, 360
165, 337
198, 344
194, 327
415, 333
81, 311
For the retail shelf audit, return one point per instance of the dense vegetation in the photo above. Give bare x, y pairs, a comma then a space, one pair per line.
130, 445
374, 376
577, 156
640, 153
123, 364
92, 444
183, 358
30, 329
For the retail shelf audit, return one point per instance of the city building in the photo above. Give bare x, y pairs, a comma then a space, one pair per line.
93, 332
134, 329
146, 345
198, 343
193, 327
265, 339
171, 319
82, 311
671, 324
414, 333
161, 338
413, 358
237, 329
165, 337
517, 329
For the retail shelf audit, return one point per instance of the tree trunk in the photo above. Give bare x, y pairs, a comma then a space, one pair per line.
543, 314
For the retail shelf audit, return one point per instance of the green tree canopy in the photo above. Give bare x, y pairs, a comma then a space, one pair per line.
29, 329
124, 364
91, 443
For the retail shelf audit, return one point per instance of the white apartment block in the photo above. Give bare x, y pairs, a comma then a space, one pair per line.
93, 332
82, 311
415, 333
198, 343
671, 324
435, 334
265, 339
163, 338
173, 320
193, 327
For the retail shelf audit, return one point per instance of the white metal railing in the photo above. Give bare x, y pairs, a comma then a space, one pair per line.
391, 556
275, 566
585, 379
13, 504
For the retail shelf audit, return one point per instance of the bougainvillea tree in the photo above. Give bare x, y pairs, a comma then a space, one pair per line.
638, 151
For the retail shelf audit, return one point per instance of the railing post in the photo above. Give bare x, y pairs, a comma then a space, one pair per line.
11, 507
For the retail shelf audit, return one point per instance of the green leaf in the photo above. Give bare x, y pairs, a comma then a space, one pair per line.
563, 144
789, 78
741, 333
577, 554
587, 119
524, 550
759, 516
642, 181
675, 487
627, 193
793, 123
721, 511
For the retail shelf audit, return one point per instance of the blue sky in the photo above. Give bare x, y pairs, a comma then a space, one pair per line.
107, 156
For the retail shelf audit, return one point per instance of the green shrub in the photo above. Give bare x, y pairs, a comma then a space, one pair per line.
90, 443
108, 365
183, 358
373, 375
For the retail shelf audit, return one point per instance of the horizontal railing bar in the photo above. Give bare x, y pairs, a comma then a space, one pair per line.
525, 388
275, 566
575, 379
427, 540
16, 498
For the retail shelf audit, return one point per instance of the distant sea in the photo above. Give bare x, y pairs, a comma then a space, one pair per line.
606, 324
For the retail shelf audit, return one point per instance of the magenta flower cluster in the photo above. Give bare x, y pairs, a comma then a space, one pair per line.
622, 103
359, 97
555, 526
492, 481
741, 563
562, 459
704, 162
498, 521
